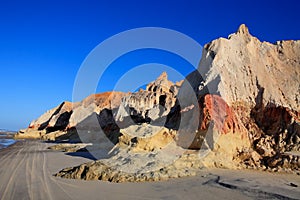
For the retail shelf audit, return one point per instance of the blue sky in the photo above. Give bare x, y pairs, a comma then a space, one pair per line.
43, 43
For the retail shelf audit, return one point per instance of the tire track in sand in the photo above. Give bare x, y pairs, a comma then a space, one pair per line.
11, 178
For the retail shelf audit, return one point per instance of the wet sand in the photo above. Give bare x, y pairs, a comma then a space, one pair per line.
26, 170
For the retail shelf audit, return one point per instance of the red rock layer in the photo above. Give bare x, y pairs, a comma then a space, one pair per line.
213, 109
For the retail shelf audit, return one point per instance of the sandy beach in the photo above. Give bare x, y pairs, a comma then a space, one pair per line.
27, 167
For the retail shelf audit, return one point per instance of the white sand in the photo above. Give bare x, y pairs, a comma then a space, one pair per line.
26, 173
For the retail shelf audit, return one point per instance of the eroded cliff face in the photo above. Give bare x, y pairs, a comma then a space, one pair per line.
240, 109
151, 104
106, 112
240, 67
59, 123
260, 82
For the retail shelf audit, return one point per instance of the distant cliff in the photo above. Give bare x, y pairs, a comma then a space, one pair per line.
110, 108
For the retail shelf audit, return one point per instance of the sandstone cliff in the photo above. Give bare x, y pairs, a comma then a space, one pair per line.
260, 81
240, 109
112, 110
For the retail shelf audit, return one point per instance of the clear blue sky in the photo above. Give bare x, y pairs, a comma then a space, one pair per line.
43, 43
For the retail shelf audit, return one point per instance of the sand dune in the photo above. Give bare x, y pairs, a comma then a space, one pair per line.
26, 170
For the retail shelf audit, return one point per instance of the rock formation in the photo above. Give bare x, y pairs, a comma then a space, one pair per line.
107, 111
240, 109
149, 105
260, 81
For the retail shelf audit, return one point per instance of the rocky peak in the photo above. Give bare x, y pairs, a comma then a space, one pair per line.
243, 29
154, 102
161, 84
163, 76
242, 35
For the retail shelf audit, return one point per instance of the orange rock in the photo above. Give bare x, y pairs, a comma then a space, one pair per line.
215, 109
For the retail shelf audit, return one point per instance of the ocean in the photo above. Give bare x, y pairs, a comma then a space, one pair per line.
6, 139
